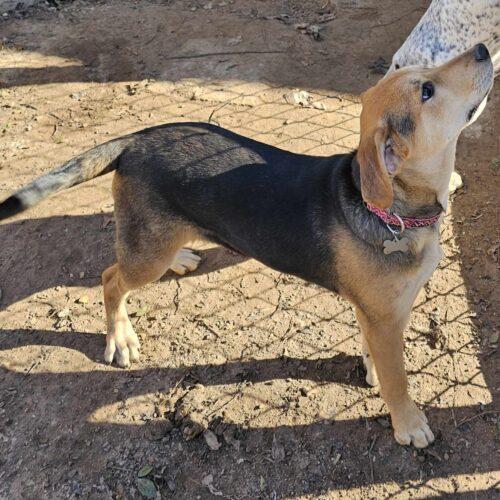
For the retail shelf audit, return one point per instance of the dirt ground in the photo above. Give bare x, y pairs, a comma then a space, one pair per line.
269, 364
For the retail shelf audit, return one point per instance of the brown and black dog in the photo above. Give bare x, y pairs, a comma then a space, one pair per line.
304, 215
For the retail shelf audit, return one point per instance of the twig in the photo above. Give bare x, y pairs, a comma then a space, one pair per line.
177, 384
454, 418
372, 473
176, 297
223, 405
215, 54
490, 412
395, 20
31, 367
209, 328
218, 109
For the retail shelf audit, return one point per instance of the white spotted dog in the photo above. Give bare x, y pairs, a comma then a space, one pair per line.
449, 28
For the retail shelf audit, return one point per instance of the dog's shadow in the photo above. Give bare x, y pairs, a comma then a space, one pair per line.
325, 441
70, 250
341, 368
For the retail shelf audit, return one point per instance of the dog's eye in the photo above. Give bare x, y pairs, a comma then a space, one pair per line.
397, 66
427, 91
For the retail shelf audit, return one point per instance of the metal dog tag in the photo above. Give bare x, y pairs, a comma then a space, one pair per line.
395, 245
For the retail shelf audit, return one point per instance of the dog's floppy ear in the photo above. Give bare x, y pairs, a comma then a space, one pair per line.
380, 155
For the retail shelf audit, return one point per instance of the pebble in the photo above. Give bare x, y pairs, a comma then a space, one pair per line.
63, 313
211, 440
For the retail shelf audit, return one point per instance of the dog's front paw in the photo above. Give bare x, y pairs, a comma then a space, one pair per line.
123, 345
410, 425
185, 260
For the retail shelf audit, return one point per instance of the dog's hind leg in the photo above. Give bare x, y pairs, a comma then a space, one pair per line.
121, 339
132, 271
148, 243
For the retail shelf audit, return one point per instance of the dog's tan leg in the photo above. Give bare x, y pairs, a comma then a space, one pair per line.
148, 243
384, 338
132, 271
118, 280
121, 338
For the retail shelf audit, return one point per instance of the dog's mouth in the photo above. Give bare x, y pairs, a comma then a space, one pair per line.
472, 112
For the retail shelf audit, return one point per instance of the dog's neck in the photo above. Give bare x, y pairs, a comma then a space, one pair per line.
424, 182
421, 187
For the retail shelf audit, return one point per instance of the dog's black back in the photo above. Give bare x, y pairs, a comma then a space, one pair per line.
232, 186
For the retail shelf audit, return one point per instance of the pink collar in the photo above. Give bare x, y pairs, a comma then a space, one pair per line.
403, 222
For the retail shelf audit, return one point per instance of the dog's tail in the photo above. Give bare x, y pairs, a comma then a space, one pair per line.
93, 163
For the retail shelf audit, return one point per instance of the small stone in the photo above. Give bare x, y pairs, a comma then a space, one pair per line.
207, 480
120, 491
211, 440
277, 450
446, 456
192, 430
63, 313
319, 105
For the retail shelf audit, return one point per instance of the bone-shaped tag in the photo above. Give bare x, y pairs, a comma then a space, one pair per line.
402, 245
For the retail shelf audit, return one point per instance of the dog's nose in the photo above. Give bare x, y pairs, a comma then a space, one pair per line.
481, 52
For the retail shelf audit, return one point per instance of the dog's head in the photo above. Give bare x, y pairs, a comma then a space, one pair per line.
415, 113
